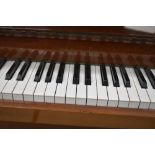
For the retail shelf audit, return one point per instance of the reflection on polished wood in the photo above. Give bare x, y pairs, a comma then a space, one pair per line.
79, 51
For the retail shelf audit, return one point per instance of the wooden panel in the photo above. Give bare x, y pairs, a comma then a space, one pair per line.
16, 115
79, 51
77, 116
21, 125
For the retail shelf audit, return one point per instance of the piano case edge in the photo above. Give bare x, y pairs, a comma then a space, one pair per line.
75, 116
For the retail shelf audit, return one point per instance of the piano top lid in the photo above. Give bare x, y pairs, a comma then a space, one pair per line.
93, 33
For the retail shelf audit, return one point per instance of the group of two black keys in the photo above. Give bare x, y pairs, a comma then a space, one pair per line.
76, 78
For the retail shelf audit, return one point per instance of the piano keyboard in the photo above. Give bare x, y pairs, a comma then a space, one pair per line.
94, 85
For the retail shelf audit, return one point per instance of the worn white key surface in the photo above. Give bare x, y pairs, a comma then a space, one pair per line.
132, 92
71, 88
3, 82
91, 89
122, 91
41, 86
112, 91
81, 88
31, 85
61, 87
101, 90
150, 90
51, 86
144, 98
9, 87
19, 89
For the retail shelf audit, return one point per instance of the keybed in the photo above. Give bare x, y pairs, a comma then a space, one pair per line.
81, 84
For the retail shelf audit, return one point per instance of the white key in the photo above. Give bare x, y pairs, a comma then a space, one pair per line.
144, 98
91, 89
112, 91
51, 87
31, 85
132, 92
150, 90
41, 86
71, 88
20, 87
81, 88
61, 87
101, 90
3, 82
122, 91
9, 87
5, 66
152, 106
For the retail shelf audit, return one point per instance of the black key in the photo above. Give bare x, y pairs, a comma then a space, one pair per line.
125, 77
2, 62
87, 75
50, 72
104, 75
60, 73
150, 76
140, 77
23, 70
76, 74
39, 71
12, 70
114, 76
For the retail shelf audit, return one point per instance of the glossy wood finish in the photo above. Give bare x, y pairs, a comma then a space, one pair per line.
117, 45
84, 51
78, 51
76, 116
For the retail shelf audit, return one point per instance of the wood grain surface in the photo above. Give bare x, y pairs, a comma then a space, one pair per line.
75, 116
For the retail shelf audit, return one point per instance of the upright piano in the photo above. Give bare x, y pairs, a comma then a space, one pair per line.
76, 77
